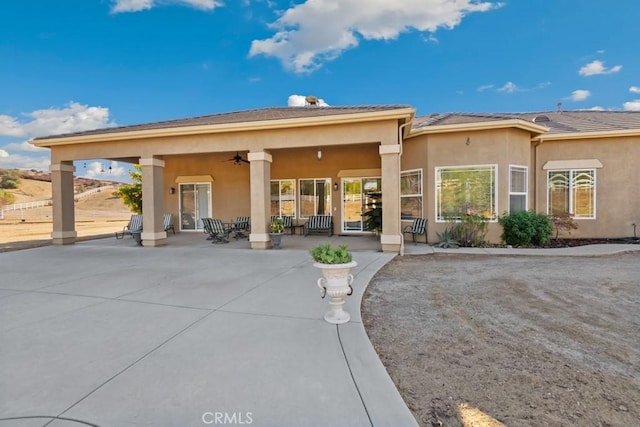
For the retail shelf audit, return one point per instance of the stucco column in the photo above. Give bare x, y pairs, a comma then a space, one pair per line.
260, 176
64, 219
153, 233
391, 237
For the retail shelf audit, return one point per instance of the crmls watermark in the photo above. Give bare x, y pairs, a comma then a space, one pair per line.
226, 418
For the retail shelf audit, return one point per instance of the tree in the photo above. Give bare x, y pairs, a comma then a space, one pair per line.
10, 179
6, 198
131, 194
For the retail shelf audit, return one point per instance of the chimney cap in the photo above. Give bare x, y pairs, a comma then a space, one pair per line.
311, 100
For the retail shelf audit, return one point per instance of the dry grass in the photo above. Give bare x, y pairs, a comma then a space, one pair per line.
96, 215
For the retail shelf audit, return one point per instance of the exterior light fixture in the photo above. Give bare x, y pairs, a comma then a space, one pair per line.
319, 153
468, 141
335, 186
172, 190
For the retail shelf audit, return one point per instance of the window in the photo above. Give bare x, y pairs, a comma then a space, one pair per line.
466, 190
315, 197
518, 188
572, 191
411, 194
283, 197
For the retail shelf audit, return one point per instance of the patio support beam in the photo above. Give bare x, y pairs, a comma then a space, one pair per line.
153, 233
260, 176
64, 220
391, 238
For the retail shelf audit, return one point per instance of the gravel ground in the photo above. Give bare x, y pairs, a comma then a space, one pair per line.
517, 341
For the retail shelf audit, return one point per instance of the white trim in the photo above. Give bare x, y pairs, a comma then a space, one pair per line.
151, 161
519, 193
572, 164
570, 189
421, 195
59, 167
476, 126
260, 156
389, 149
496, 192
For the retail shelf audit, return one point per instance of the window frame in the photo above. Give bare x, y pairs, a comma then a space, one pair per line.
572, 207
413, 195
493, 166
295, 195
526, 186
329, 185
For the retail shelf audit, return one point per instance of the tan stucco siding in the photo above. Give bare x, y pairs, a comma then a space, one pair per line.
617, 182
500, 147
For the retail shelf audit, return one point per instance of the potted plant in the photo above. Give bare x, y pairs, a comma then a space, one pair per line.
335, 264
275, 231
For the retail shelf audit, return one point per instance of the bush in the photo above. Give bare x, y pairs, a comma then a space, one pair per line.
525, 228
470, 230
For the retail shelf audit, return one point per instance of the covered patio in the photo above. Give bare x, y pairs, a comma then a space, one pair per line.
312, 145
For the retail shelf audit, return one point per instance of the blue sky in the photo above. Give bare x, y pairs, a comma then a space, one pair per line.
72, 65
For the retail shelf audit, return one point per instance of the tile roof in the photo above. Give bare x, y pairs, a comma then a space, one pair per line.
558, 121
256, 115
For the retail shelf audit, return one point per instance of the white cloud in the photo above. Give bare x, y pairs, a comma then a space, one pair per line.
316, 31
632, 105
580, 95
24, 146
634, 89
140, 5
596, 108
484, 87
597, 67
19, 161
300, 101
509, 87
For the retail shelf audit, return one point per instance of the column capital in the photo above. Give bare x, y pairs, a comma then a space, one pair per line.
389, 149
151, 161
260, 155
61, 167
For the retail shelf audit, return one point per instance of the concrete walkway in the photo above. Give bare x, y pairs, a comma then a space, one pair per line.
192, 334
116, 335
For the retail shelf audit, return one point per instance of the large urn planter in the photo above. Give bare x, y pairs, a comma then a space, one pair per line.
276, 229
335, 283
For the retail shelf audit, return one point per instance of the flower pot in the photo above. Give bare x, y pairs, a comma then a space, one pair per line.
276, 238
336, 284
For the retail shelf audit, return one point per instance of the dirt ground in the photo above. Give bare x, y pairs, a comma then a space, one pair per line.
518, 341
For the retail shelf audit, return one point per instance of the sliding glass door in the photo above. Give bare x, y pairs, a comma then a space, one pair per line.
195, 203
359, 195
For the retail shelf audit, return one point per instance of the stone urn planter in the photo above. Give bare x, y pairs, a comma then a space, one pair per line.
276, 229
335, 283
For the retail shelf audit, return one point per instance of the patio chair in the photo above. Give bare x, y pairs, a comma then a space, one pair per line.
216, 230
418, 227
319, 224
242, 227
168, 223
135, 225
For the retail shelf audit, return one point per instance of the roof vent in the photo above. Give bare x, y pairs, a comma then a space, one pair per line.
311, 100
541, 119
432, 115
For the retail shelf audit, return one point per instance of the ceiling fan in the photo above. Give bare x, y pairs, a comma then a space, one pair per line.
237, 159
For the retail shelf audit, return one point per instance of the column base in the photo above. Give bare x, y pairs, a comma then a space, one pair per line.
64, 237
260, 241
154, 239
391, 243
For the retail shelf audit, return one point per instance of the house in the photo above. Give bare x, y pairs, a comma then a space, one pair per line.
304, 161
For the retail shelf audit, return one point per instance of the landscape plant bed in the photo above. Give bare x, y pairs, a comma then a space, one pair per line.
510, 340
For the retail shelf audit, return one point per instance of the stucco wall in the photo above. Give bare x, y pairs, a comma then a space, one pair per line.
617, 182
500, 147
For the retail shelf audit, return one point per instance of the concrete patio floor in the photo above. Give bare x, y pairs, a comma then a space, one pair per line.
189, 334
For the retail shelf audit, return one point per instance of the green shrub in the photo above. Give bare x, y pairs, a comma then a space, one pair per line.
470, 230
525, 228
326, 254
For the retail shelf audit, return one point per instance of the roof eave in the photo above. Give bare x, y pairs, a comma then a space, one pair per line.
392, 114
478, 126
587, 135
